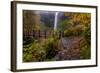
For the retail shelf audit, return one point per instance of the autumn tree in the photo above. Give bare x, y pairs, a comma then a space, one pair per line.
31, 21
80, 19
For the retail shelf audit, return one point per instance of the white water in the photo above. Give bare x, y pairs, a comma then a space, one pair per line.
56, 20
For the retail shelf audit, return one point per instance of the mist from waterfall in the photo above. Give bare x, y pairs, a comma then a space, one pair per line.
56, 20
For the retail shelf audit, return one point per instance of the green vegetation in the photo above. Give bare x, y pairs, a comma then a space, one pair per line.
85, 52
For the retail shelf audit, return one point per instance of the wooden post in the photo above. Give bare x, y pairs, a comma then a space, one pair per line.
39, 34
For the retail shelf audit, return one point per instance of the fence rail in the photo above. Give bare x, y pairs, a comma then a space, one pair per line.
43, 34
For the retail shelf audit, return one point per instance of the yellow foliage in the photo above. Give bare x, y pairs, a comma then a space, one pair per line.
79, 18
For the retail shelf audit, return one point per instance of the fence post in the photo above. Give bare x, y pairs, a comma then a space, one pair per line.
45, 34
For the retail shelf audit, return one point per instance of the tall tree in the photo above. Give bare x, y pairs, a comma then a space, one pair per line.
31, 21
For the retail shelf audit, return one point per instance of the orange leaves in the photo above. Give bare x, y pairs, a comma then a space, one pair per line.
79, 18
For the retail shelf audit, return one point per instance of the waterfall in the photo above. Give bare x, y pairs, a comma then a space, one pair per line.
56, 20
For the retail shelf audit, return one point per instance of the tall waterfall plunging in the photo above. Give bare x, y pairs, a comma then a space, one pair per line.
56, 20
